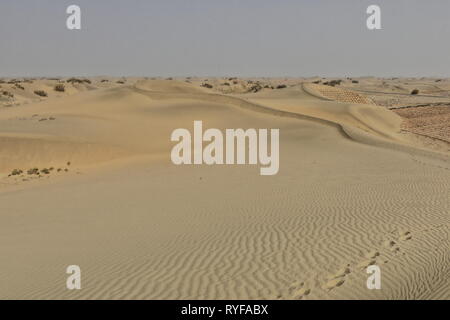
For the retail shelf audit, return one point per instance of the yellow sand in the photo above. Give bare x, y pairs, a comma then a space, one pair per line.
351, 191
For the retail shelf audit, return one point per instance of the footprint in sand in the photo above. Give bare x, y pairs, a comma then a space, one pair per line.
299, 290
391, 245
334, 283
302, 292
372, 254
405, 236
364, 264
340, 273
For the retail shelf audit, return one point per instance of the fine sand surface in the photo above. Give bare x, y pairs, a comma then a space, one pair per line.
353, 190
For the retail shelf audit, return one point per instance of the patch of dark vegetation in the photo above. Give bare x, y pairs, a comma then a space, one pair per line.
16, 172
7, 94
415, 91
60, 88
255, 88
105, 80
332, 83
33, 171
76, 80
40, 93
18, 86
120, 82
281, 86
355, 81
317, 82
207, 85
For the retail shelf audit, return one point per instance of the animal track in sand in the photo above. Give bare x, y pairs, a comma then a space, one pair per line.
334, 283
405, 236
372, 254
299, 290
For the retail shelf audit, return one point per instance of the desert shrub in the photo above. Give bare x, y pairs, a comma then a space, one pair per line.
33, 171
18, 86
120, 82
355, 81
333, 83
41, 93
281, 86
225, 84
60, 88
415, 91
8, 94
104, 80
207, 85
317, 82
76, 80
16, 172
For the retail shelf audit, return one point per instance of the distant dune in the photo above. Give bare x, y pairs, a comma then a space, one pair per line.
86, 179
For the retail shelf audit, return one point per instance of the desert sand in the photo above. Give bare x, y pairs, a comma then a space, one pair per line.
86, 179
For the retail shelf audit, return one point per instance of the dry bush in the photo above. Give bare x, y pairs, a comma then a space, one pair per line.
8, 94
60, 88
415, 91
41, 93
76, 80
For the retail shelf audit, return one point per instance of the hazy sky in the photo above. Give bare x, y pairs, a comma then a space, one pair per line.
220, 38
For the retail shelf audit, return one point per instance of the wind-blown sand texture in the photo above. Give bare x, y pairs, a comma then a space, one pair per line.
353, 190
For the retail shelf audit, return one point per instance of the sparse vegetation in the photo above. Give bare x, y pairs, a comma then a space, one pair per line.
281, 86
16, 172
76, 80
7, 94
355, 81
120, 82
415, 91
33, 171
207, 85
332, 83
60, 88
41, 93
18, 86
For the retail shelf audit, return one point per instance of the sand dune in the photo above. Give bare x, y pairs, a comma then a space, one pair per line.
352, 191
